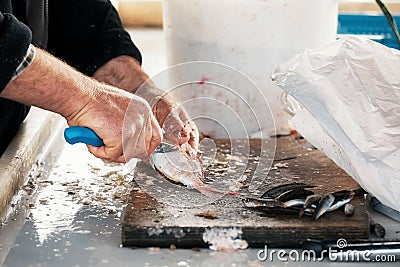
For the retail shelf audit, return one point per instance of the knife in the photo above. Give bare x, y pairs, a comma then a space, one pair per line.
79, 134
163, 153
167, 159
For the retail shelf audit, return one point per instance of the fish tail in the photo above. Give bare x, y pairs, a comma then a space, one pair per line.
317, 215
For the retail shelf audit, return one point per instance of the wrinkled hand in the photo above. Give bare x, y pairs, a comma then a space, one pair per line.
105, 115
125, 72
173, 118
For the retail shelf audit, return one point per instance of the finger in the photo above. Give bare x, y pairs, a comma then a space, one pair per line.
184, 136
121, 159
148, 134
173, 124
192, 134
97, 151
194, 141
103, 152
195, 137
162, 108
183, 140
156, 135
174, 131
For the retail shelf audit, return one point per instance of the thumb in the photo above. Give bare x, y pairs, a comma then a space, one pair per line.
156, 135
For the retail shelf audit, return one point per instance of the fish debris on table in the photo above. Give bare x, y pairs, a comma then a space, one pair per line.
349, 209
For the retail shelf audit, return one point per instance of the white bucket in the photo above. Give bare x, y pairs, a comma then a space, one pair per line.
253, 36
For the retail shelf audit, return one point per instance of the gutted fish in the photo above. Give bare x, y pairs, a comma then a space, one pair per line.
182, 168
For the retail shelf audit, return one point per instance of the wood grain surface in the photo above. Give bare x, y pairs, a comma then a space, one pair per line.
149, 219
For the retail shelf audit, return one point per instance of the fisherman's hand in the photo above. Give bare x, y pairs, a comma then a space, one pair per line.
105, 114
173, 118
126, 73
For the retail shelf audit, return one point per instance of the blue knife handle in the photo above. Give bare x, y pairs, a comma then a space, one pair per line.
78, 134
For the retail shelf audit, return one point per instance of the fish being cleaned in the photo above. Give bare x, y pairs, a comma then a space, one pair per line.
182, 168
178, 165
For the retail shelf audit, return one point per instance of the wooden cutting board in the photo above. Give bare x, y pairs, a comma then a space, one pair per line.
148, 222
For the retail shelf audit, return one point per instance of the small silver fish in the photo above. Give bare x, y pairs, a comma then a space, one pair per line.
295, 193
341, 198
310, 200
307, 212
297, 202
280, 189
323, 205
251, 202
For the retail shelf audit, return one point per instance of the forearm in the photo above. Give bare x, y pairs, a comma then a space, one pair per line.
51, 84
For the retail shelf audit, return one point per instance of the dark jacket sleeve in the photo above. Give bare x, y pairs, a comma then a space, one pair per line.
15, 38
87, 34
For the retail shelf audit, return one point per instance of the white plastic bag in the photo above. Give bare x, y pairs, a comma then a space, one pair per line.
345, 99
